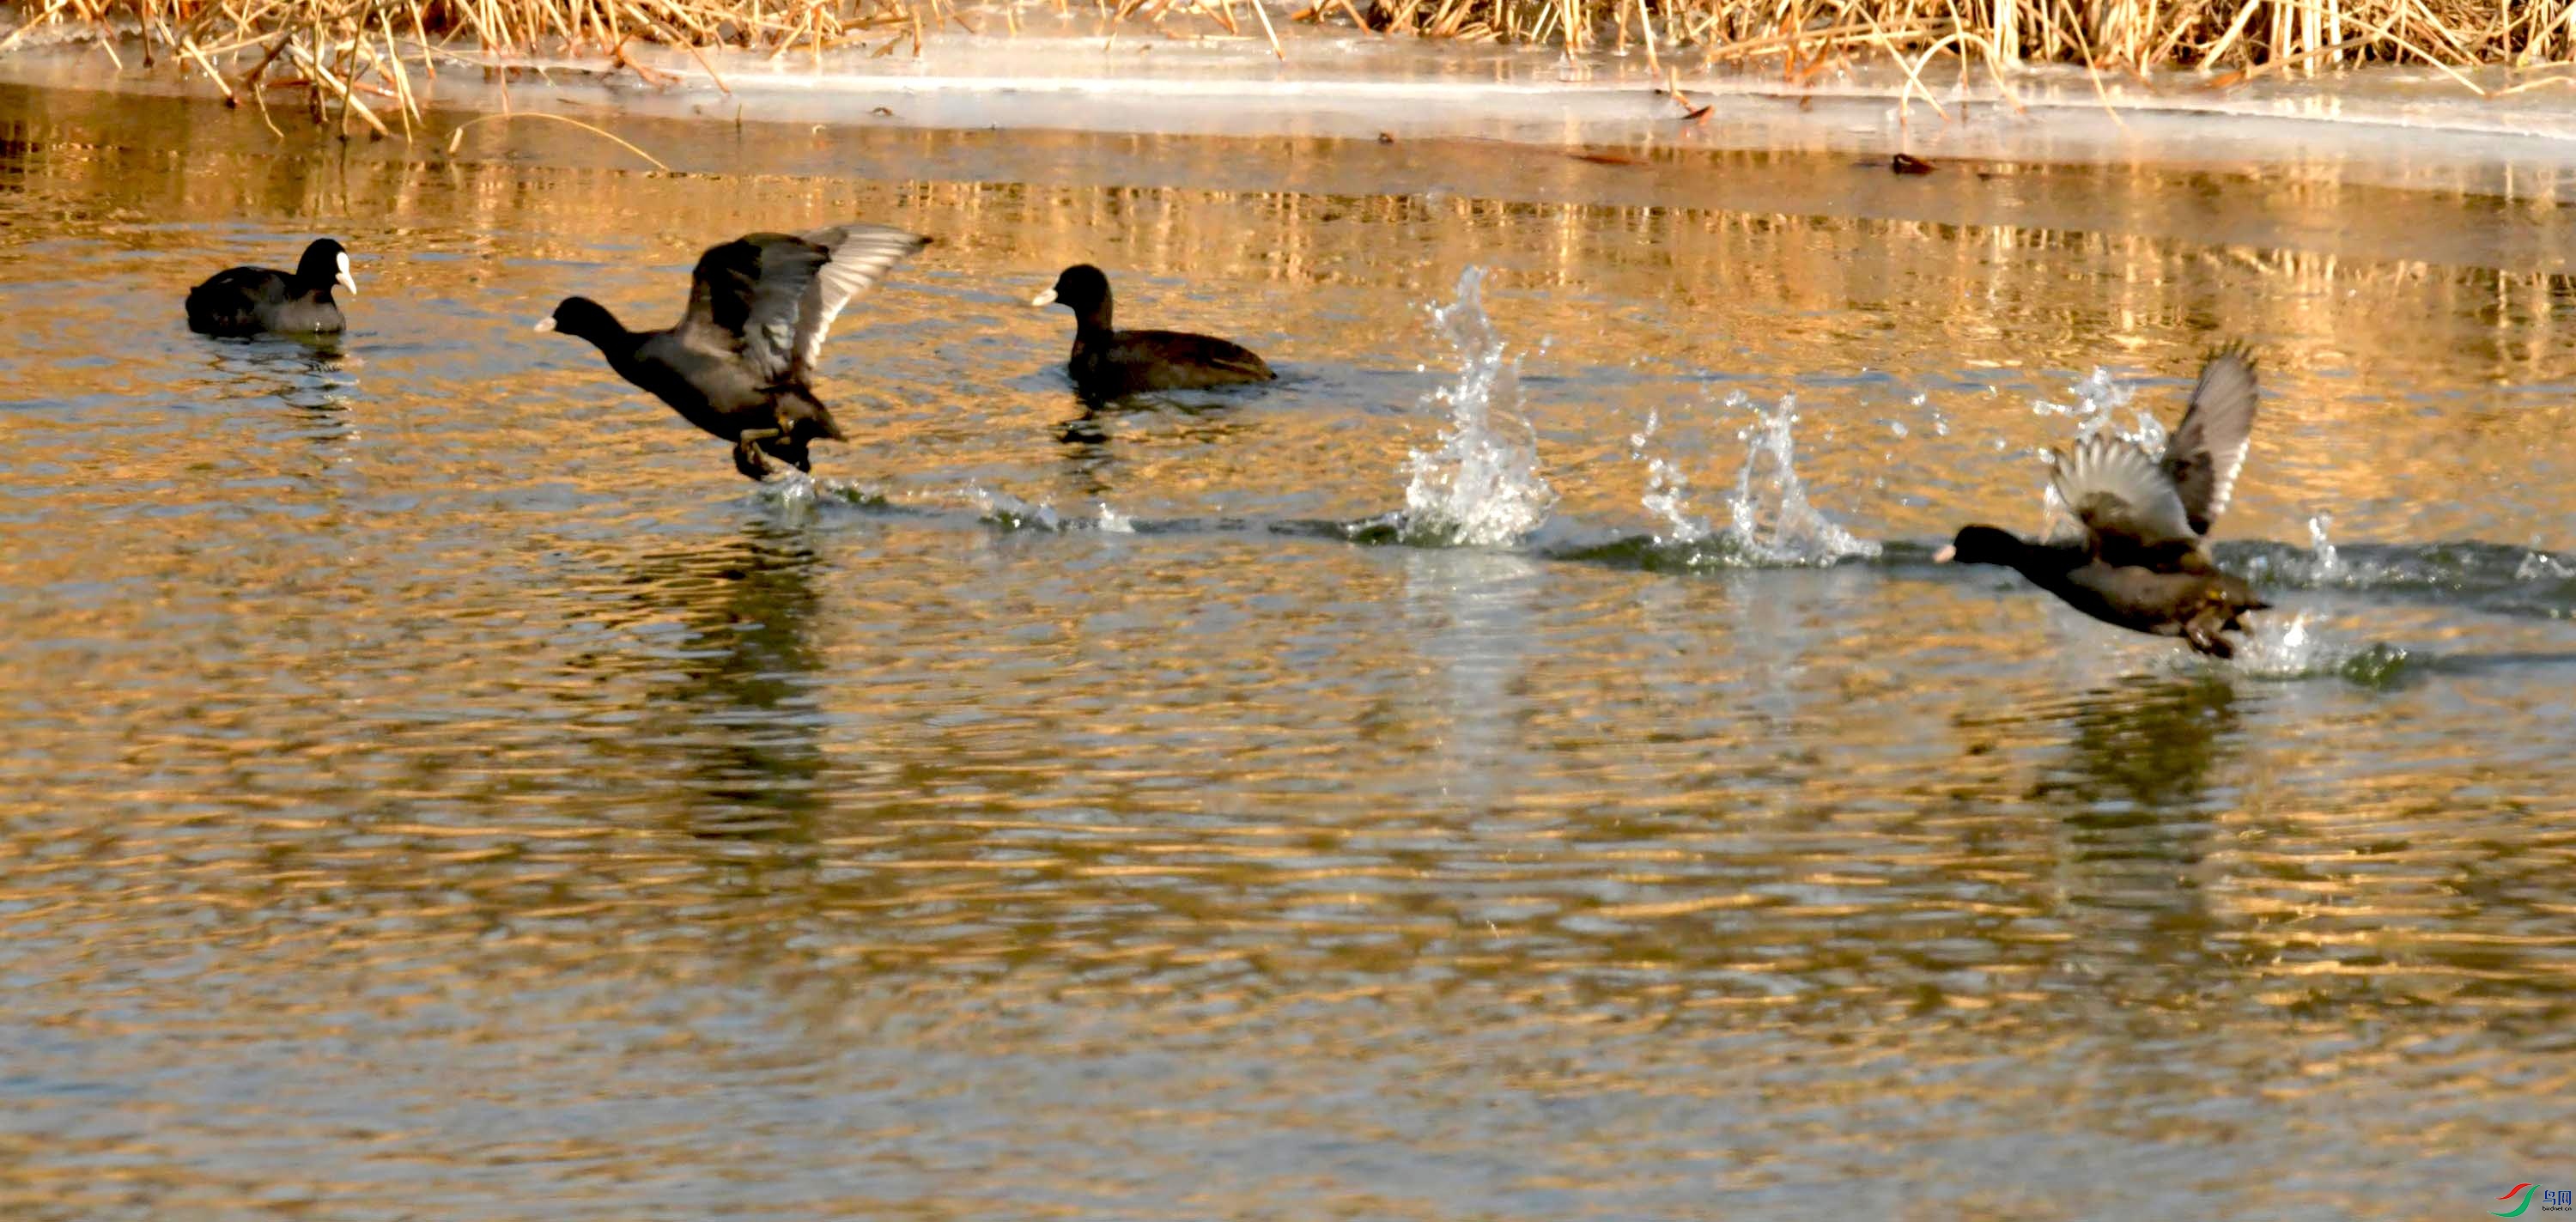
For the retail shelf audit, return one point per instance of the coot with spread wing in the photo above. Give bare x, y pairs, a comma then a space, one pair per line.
2134, 555
740, 362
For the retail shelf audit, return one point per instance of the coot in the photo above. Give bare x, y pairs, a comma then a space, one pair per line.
1108, 363
740, 361
2134, 555
253, 300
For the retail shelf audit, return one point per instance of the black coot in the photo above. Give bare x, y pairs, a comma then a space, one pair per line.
2133, 556
740, 361
254, 300
1107, 363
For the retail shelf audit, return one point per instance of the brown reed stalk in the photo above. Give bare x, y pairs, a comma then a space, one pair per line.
347, 51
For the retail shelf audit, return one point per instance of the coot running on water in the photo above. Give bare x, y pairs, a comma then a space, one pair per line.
2134, 555
740, 361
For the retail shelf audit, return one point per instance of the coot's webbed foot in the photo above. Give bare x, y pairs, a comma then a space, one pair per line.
2202, 633
747, 459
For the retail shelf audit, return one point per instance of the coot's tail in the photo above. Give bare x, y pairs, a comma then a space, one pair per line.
219, 313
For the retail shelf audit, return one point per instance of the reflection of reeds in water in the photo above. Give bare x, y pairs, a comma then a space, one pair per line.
2008, 293
354, 61
1697, 288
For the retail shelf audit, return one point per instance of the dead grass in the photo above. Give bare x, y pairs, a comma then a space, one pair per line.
359, 63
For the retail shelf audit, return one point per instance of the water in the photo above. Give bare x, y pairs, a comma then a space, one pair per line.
437, 786
1482, 485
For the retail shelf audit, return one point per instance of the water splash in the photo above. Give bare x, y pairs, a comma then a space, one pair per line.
2098, 400
797, 495
2541, 566
1011, 513
2496, 578
2329, 563
1480, 488
1667, 491
1645, 434
1112, 522
2277, 648
1769, 520
792, 491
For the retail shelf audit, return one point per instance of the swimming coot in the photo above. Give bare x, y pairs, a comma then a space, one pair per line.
253, 300
2134, 554
1107, 364
740, 361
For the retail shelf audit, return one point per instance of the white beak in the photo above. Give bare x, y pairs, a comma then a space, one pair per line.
546, 323
1046, 298
344, 279
1947, 554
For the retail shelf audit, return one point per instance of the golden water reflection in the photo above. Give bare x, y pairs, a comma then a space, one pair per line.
436, 785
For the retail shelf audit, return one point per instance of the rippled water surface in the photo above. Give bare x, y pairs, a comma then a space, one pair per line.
1522, 765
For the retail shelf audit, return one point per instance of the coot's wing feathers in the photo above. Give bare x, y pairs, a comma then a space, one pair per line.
742, 299
244, 284
856, 257
2123, 497
1196, 351
2208, 447
787, 268
2062, 529
720, 295
229, 302
771, 297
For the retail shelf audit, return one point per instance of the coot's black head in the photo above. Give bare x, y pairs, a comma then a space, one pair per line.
1080, 288
325, 265
1981, 545
582, 318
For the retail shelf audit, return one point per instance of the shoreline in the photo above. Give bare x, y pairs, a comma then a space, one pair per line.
2390, 127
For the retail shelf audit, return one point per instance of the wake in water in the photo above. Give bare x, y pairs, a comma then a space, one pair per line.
796, 496
795, 493
1481, 486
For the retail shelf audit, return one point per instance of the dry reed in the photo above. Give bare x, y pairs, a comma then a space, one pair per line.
358, 61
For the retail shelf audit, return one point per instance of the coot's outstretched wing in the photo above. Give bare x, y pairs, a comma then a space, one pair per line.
770, 297
2208, 447
860, 255
2061, 529
743, 295
2123, 497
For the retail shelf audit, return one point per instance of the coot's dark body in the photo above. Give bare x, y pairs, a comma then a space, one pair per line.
2134, 554
245, 301
1108, 363
739, 363
2196, 603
